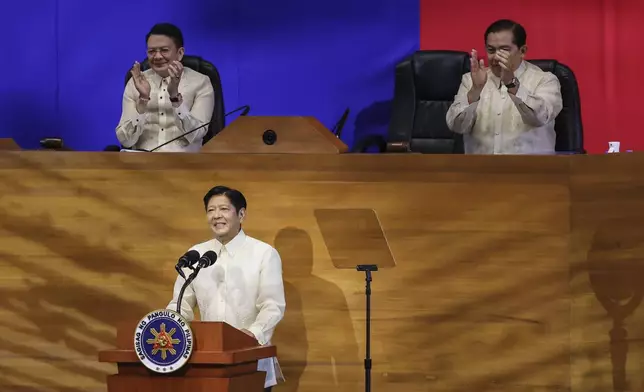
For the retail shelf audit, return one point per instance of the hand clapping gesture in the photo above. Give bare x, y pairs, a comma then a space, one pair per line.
479, 77
140, 82
175, 69
479, 71
507, 74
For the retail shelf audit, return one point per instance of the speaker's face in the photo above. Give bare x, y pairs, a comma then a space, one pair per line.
161, 52
224, 220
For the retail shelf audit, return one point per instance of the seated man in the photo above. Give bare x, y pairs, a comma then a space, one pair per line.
167, 100
510, 107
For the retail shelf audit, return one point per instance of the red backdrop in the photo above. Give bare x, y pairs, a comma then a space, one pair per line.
601, 40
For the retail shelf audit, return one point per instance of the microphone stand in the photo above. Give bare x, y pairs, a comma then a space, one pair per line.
179, 270
368, 269
185, 285
178, 137
245, 109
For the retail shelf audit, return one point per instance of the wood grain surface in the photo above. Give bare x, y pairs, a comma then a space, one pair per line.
513, 274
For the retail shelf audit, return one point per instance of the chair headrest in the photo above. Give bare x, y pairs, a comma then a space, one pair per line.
432, 85
546, 65
562, 71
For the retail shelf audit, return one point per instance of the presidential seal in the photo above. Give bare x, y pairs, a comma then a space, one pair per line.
163, 341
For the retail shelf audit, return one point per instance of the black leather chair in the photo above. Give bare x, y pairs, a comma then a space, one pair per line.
568, 125
207, 68
425, 86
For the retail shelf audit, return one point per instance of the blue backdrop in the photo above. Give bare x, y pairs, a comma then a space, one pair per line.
67, 60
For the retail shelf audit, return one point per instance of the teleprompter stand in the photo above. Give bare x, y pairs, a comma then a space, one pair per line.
355, 240
368, 269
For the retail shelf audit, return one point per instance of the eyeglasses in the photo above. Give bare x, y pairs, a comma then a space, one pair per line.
163, 51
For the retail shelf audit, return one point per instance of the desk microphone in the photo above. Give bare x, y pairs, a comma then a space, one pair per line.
245, 111
178, 137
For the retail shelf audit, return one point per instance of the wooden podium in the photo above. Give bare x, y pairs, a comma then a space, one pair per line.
224, 359
275, 135
8, 144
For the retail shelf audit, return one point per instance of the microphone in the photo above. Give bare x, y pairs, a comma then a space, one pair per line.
245, 111
204, 261
186, 261
337, 128
207, 259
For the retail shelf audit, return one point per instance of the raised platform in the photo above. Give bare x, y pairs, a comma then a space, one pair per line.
512, 273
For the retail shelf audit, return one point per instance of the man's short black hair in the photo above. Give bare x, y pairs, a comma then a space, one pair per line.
169, 30
519, 36
236, 198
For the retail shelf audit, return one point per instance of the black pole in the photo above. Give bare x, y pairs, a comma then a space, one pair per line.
367, 268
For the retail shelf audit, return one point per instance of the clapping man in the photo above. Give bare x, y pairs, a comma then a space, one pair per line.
509, 107
167, 100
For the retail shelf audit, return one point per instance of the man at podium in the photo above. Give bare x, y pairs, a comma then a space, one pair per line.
244, 287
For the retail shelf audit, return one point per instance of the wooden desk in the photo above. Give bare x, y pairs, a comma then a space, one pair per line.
507, 272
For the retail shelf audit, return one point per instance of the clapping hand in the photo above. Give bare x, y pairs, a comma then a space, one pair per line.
507, 74
479, 71
140, 82
175, 69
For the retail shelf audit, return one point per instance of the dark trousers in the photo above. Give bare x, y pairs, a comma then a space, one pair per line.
268, 389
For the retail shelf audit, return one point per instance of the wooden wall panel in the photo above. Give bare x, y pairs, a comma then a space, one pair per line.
607, 265
479, 298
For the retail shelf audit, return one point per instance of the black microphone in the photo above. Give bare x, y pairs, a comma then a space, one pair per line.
337, 129
205, 261
186, 261
245, 109
245, 112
